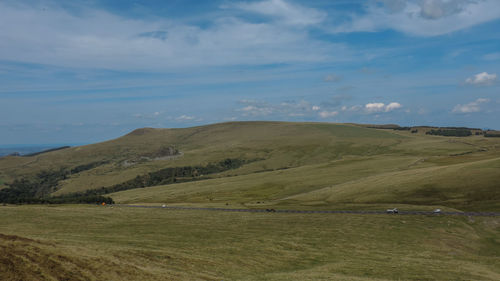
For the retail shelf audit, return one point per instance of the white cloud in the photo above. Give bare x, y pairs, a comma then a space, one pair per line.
423, 17
185, 118
375, 107
332, 78
352, 108
381, 107
285, 12
482, 78
471, 107
436, 9
392, 106
283, 109
147, 115
255, 108
98, 39
328, 114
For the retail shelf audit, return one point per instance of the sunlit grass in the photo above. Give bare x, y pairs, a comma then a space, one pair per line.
165, 244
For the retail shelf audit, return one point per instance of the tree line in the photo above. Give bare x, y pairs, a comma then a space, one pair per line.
37, 189
170, 176
459, 132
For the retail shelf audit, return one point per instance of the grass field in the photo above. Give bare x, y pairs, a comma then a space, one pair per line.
307, 166
103, 243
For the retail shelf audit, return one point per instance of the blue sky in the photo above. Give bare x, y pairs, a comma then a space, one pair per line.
90, 70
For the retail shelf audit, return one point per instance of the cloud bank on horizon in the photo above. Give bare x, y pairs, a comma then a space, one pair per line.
84, 71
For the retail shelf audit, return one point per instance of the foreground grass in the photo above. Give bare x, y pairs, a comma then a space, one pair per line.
103, 243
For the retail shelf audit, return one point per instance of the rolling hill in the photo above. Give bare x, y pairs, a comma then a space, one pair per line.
307, 166
280, 163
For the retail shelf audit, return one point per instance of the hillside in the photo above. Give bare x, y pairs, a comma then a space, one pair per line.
279, 163
301, 166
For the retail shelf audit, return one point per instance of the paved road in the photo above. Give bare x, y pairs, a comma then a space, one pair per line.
490, 214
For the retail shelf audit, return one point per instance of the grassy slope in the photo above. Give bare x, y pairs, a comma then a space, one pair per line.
102, 243
281, 144
271, 185
395, 168
471, 186
327, 164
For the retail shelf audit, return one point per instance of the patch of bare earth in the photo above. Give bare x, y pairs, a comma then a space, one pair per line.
23, 259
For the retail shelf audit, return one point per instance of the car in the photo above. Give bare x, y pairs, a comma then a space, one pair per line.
163, 206
392, 211
437, 211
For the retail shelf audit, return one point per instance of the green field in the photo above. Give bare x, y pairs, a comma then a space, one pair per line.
119, 243
307, 166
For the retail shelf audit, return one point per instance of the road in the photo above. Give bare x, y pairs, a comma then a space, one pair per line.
489, 214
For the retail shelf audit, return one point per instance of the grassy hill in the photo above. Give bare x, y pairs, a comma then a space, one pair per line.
288, 164
271, 165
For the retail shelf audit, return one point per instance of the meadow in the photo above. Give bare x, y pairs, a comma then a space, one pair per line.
74, 242
305, 166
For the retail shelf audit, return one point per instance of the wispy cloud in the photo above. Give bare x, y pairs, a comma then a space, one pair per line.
482, 79
471, 107
422, 17
332, 78
353, 108
254, 108
328, 114
98, 39
283, 11
492, 56
184, 118
257, 110
153, 115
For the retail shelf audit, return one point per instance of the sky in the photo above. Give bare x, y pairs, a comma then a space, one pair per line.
85, 71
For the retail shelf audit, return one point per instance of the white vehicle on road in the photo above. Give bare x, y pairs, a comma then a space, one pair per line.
392, 211
437, 211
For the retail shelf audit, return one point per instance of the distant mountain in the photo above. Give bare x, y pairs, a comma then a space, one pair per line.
29, 150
